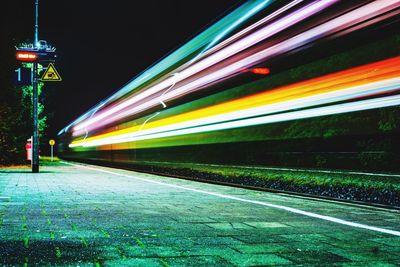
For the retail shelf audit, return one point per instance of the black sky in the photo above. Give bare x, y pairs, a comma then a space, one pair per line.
103, 44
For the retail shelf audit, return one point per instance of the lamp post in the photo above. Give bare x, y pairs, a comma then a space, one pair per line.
35, 98
37, 52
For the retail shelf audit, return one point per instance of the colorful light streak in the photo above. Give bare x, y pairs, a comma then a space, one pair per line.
376, 78
242, 33
317, 112
354, 77
149, 98
215, 58
246, 10
231, 27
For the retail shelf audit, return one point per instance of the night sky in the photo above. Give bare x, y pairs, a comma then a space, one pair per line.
101, 45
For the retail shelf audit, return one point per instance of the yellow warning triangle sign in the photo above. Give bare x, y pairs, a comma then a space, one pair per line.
51, 74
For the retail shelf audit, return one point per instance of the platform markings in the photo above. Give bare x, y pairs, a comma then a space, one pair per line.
292, 210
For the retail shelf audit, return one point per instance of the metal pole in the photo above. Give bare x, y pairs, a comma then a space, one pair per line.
51, 153
35, 100
35, 139
36, 40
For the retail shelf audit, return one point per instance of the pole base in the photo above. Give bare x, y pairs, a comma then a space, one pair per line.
35, 168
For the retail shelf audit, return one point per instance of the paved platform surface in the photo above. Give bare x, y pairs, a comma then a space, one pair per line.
77, 215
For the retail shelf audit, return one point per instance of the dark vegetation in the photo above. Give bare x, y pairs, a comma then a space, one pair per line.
14, 114
15, 107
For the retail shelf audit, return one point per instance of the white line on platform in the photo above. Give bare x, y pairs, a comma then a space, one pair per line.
293, 210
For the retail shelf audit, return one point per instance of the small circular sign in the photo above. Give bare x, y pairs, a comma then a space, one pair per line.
52, 142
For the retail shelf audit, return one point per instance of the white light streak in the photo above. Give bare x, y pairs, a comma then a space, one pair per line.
303, 114
227, 52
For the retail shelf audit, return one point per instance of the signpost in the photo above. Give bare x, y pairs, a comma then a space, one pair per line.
37, 52
51, 143
35, 137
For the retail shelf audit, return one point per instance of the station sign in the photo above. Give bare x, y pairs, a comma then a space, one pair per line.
51, 74
52, 143
23, 76
30, 54
27, 56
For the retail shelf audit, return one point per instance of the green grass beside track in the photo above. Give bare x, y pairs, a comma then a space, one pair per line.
295, 177
43, 161
359, 187
46, 161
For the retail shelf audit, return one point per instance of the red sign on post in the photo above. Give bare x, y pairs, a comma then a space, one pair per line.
26, 56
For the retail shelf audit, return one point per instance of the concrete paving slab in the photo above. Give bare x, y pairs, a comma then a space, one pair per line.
95, 216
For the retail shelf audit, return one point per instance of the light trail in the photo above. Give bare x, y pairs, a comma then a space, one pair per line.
248, 29
225, 53
376, 78
351, 18
168, 62
310, 113
205, 94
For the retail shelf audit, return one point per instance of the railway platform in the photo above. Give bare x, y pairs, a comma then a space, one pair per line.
84, 215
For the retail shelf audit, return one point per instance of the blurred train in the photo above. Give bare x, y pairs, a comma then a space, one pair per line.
273, 83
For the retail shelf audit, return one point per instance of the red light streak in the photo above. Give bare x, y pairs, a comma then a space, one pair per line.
262, 71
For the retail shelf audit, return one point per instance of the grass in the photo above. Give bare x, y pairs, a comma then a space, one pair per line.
58, 252
46, 161
13, 167
138, 242
43, 161
294, 177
